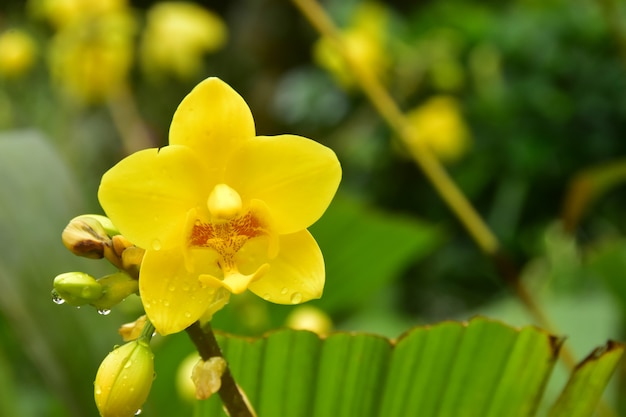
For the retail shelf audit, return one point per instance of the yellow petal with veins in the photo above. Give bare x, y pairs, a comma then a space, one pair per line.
214, 120
172, 295
147, 195
296, 275
294, 176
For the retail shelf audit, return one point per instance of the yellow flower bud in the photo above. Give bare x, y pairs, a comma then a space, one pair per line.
76, 289
115, 288
124, 379
87, 235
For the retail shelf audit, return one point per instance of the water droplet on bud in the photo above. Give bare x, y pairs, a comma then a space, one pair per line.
156, 244
56, 298
284, 291
104, 311
267, 297
138, 412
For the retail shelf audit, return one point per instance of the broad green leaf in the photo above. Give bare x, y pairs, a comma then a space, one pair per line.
367, 248
586, 384
478, 368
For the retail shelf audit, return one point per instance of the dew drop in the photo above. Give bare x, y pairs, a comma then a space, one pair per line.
128, 364
138, 412
197, 222
172, 287
166, 303
284, 291
186, 287
98, 390
56, 298
267, 297
187, 314
296, 298
156, 244
104, 311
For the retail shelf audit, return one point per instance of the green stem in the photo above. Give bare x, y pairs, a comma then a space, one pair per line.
148, 331
232, 398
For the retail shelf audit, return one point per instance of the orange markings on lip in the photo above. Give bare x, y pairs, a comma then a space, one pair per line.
226, 237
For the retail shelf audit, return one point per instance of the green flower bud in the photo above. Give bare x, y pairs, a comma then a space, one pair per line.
88, 235
115, 288
124, 379
76, 288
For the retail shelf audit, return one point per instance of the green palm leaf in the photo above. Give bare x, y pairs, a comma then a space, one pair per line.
479, 368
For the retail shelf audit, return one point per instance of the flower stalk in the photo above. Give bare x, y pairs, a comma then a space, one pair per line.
232, 397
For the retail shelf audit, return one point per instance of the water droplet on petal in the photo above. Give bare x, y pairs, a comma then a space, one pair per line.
172, 287
128, 364
98, 390
187, 314
104, 311
138, 412
296, 298
284, 291
156, 244
267, 297
56, 298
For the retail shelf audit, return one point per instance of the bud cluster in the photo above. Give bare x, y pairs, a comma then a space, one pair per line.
95, 237
125, 376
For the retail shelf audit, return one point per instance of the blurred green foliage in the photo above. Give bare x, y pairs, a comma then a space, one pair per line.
540, 85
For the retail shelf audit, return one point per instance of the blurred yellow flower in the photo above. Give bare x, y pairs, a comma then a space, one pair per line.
221, 210
176, 37
62, 13
17, 53
365, 41
90, 61
309, 318
439, 123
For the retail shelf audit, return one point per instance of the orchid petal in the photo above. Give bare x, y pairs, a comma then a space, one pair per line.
172, 295
148, 194
296, 275
294, 176
213, 120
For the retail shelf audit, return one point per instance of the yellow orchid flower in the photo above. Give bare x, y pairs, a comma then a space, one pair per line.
221, 210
